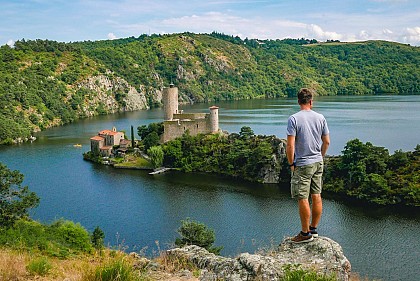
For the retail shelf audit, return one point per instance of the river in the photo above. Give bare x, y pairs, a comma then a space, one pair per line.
139, 212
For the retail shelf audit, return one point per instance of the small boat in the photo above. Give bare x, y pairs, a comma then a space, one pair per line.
77, 145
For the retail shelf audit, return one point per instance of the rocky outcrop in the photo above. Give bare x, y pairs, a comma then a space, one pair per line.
104, 89
270, 173
323, 256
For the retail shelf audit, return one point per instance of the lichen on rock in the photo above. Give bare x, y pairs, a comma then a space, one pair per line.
323, 256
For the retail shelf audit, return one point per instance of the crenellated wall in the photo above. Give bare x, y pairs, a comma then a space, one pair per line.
176, 122
177, 127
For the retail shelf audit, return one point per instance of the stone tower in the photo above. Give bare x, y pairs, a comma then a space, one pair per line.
170, 102
214, 119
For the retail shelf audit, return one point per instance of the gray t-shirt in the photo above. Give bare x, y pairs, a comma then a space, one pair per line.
307, 126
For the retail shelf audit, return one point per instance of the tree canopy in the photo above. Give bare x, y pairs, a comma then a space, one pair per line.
370, 173
15, 199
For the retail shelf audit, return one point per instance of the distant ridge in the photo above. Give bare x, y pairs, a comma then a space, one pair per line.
45, 83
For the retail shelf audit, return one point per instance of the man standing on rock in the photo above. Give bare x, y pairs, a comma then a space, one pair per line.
307, 142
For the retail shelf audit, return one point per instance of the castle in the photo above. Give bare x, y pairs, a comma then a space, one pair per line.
176, 123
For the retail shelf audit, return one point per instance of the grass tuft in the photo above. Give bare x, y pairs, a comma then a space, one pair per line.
116, 270
295, 273
12, 265
175, 264
40, 266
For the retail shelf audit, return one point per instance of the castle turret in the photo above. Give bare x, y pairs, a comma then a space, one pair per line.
214, 119
170, 102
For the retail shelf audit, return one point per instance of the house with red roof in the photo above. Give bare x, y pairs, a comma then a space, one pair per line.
103, 143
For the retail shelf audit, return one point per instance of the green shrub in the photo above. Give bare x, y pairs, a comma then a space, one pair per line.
98, 238
39, 266
195, 233
156, 156
25, 235
73, 235
150, 140
60, 239
117, 270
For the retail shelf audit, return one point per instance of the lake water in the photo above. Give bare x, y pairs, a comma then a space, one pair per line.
138, 211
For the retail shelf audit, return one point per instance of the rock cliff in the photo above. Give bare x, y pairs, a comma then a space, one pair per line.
271, 172
323, 256
105, 88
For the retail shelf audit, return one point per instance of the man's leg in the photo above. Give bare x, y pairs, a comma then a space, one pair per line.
305, 214
316, 209
301, 181
316, 189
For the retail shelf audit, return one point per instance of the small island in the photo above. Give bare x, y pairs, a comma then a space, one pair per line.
111, 147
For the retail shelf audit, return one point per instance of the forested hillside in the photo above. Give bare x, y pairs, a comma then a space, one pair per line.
46, 83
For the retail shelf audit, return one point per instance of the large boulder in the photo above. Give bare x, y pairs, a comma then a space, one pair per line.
323, 256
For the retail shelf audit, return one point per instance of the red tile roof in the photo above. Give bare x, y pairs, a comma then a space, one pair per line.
97, 138
107, 132
104, 132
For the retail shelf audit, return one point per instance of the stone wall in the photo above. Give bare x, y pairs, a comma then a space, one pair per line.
176, 128
190, 116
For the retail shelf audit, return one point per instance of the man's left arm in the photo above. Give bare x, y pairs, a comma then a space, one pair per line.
325, 144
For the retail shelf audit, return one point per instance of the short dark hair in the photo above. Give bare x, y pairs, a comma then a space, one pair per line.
305, 95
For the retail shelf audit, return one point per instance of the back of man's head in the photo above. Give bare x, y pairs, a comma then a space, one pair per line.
305, 95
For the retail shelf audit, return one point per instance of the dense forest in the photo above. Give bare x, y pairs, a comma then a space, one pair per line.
370, 173
363, 171
45, 83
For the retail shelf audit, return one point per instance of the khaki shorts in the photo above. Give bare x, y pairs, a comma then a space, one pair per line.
307, 180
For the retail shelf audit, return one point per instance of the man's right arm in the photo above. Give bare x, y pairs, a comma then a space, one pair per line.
290, 149
325, 144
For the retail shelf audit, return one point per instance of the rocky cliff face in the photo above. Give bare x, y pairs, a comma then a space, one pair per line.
323, 255
271, 172
104, 88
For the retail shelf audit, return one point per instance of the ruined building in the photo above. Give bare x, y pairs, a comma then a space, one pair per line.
176, 123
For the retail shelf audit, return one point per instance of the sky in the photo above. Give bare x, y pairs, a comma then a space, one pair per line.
82, 20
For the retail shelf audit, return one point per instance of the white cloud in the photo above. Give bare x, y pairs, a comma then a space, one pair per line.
411, 36
11, 43
111, 36
258, 28
316, 32
364, 35
208, 22
387, 31
320, 26
407, 36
